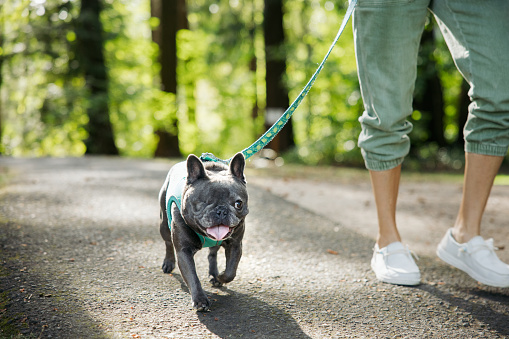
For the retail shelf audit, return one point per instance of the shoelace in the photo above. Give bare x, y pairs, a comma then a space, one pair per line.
406, 251
488, 245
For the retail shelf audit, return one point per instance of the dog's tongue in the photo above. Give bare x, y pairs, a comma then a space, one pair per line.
218, 232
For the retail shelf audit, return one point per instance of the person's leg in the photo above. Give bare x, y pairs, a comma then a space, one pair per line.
476, 33
385, 186
387, 37
480, 172
462, 246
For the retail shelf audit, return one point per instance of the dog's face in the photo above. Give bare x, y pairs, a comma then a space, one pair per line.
214, 200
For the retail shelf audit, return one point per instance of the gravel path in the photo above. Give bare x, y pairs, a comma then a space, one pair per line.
80, 256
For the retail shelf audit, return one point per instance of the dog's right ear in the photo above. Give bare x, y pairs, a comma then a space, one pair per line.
195, 169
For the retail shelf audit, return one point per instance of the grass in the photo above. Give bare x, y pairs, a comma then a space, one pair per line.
346, 174
349, 174
502, 180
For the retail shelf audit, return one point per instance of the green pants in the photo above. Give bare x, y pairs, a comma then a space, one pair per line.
387, 35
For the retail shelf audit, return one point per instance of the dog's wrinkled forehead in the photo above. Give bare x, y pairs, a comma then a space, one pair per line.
218, 186
225, 184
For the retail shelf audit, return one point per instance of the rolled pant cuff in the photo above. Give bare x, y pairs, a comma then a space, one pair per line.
376, 165
493, 150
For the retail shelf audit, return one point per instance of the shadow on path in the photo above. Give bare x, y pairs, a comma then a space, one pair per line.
238, 315
33, 301
479, 309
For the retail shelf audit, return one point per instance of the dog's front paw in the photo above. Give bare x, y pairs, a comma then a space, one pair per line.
201, 303
168, 266
215, 282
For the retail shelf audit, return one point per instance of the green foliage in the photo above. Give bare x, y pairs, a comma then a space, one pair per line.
221, 89
218, 90
325, 125
39, 111
43, 95
137, 105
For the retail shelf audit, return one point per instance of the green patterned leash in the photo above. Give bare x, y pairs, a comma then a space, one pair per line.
281, 122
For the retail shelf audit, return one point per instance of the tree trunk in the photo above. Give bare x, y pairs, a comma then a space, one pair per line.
89, 34
434, 104
172, 17
253, 66
275, 54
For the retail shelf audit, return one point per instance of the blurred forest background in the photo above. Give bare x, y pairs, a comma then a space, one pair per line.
163, 78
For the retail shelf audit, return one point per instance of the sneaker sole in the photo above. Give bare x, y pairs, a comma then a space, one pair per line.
451, 260
398, 281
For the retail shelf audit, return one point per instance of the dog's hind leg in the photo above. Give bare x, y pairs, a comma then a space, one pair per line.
213, 272
169, 258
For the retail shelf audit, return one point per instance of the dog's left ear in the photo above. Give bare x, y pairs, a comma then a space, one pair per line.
237, 166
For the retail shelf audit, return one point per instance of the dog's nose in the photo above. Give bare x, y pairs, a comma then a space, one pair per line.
221, 213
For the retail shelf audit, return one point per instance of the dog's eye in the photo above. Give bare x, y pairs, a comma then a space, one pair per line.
238, 204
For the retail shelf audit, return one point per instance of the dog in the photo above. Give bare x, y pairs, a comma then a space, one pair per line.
203, 204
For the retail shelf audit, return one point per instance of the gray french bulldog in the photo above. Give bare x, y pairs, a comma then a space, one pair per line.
203, 204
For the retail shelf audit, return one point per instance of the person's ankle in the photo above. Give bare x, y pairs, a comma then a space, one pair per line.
462, 235
384, 241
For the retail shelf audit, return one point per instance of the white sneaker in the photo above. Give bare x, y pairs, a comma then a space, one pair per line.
477, 258
394, 265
